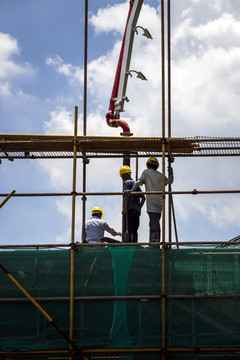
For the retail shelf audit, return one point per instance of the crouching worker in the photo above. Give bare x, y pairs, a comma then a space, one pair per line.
95, 227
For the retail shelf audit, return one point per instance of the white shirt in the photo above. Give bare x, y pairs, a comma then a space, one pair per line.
94, 229
153, 181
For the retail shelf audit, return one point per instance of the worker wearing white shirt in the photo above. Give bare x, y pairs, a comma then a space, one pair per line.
153, 181
95, 227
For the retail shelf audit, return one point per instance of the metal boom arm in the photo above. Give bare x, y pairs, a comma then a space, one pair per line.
120, 83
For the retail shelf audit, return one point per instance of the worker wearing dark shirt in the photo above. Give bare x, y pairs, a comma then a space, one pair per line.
131, 207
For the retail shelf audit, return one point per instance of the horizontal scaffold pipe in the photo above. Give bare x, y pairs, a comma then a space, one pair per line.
78, 246
127, 297
34, 352
86, 298
175, 192
201, 152
229, 350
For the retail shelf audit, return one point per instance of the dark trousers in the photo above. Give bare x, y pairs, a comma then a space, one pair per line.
154, 222
130, 226
154, 227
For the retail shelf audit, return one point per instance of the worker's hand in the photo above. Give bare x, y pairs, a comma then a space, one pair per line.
170, 169
119, 233
127, 192
123, 212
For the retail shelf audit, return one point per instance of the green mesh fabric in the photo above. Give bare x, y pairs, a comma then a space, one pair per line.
194, 322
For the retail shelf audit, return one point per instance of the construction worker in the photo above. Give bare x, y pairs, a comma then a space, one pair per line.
95, 227
153, 181
132, 205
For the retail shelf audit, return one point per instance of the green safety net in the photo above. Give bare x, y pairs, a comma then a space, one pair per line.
192, 322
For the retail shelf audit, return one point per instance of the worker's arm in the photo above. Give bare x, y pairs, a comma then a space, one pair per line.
139, 182
136, 185
125, 203
143, 198
171, 177
111, 230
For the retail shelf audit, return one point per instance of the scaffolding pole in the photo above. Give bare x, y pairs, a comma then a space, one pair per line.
71, 324
163, 185
7, 198
84, 199
170, 199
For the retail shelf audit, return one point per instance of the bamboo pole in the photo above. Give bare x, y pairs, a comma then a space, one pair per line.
7, 198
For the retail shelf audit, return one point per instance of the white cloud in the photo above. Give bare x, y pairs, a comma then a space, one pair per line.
5, 89
8, 48
216, 211
221, 212
221, 32
102, 23
73, 73
186, 13
206, 60
60, 171
60, 123
208, 104
224, 31
9, 68
217, 5
214, 7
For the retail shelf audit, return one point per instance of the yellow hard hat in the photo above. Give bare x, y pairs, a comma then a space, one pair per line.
124, 170
152, 160
97, 209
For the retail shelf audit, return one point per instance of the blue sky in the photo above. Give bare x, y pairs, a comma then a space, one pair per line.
41, 80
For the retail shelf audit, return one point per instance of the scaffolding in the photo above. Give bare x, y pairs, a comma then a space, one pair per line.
15, 146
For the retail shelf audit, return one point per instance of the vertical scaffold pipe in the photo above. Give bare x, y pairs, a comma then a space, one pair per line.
71, 320
170, 198
85, 70
164, 249
163, 68
84, 199
163, 187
